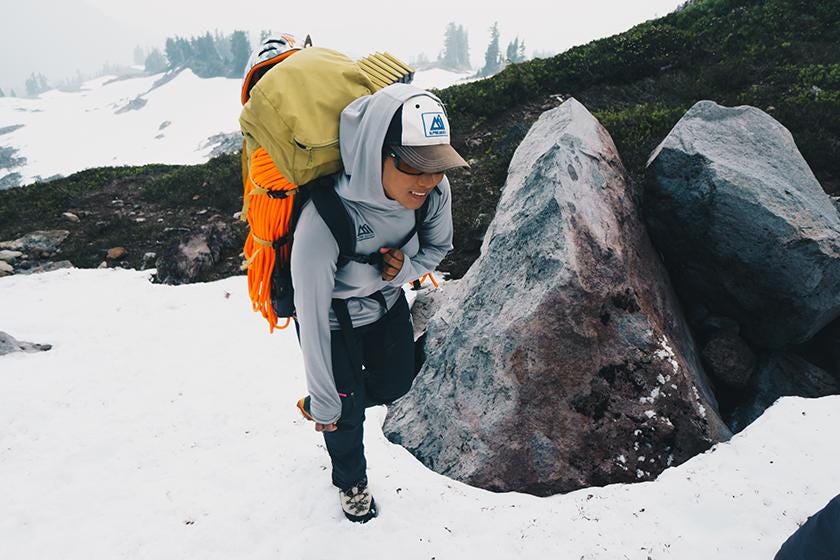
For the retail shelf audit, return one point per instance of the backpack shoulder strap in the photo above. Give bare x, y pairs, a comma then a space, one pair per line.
335, 215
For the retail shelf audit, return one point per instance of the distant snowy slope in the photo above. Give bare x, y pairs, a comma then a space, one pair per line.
127, 122
123, 122
441, 79
162, 425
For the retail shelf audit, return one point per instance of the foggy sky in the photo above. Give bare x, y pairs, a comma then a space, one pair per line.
57, 37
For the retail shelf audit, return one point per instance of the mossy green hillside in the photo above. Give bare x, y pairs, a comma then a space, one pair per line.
142, 208
782, 56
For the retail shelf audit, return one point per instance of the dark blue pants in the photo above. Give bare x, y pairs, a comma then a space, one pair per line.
386, 350
818, 538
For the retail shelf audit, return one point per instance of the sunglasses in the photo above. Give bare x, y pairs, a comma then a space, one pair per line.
403, 167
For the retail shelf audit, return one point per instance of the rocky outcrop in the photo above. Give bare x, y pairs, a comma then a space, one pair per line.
782, 374
193, 258
9, 344
744, 226
48, 266
37, 243
561, 360
223, 143
427, 302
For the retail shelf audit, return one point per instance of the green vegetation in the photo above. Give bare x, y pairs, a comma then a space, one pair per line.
215, 184
22, 207
778, 55
218, 183
145, 209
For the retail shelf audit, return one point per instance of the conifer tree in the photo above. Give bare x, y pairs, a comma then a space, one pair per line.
449, 56
36, 84
512, 50
463, 44
515, 51
174, 53
240, 49
492, 56
156, 63
456, 50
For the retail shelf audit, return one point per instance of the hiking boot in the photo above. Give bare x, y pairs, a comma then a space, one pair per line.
357, 502
303, 406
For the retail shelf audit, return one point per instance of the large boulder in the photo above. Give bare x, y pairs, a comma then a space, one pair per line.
744, 226
561, 360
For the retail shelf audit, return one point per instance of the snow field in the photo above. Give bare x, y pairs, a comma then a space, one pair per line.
162, 425
68, 132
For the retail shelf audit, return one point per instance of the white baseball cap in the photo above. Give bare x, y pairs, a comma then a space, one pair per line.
419, 134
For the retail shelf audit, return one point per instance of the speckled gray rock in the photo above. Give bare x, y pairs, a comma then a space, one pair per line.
561, 360
47, 267
37, 243
744, 225
193, 258
426, 304
779, 375
9, 344
9, 256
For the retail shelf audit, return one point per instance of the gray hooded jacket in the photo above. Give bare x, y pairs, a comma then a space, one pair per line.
380, 222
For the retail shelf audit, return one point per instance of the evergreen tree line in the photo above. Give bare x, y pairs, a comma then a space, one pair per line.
35, 84
208, 55
455, 55
494, 60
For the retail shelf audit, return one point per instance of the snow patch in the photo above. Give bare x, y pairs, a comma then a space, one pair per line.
667, 353
150, 430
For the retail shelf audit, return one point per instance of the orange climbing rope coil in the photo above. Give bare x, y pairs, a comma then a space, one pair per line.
268, 219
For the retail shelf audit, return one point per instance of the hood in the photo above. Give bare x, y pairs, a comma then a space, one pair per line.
361, 133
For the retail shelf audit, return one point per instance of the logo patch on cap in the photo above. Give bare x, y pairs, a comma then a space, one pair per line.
434, 124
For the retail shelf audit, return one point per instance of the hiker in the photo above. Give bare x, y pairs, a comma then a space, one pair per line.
353, 321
